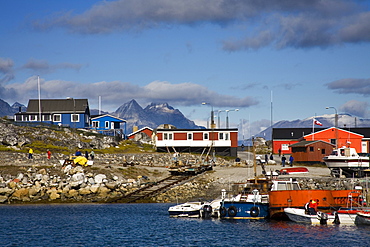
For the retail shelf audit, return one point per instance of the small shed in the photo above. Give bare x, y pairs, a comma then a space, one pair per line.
311, 151
143, 134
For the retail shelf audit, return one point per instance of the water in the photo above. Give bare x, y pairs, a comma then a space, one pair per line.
150, 225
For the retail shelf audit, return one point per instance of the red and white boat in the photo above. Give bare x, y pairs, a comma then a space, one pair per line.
293, 170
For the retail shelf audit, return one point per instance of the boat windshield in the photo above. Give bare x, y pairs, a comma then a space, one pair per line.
335, 152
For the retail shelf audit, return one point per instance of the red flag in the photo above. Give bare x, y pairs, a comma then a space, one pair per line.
317, 122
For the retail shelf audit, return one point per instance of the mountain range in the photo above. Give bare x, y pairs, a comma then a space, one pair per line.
156, 114
7, 110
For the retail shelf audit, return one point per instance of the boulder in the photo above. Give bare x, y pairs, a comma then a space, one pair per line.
21, 194
99, 178
3, 199
4, 191
84, 191
94, 188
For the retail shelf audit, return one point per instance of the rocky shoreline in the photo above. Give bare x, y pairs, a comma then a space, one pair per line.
113, 175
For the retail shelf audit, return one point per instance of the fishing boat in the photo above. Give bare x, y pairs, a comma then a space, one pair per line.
363, 218
245, 206
346, 161
329, 200
300, 216
188, 209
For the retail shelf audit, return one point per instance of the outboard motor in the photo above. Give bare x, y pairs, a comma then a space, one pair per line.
323, 218
207, 212
336, 218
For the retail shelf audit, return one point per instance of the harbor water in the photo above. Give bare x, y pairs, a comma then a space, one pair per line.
150, 225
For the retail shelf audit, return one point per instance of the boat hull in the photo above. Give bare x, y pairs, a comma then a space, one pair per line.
244, 210
363, 219
189, 209
328, 199
298, 215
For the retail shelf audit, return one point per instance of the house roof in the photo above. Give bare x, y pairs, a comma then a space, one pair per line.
58, 105
198, 130
297, 133
94, 118
349, 132
140, 130
307, 143
292, 133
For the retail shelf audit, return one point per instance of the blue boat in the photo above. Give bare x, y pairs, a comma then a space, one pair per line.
245, 206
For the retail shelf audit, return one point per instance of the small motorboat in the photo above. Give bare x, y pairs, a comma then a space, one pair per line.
362, 218
300, 216
211, 209
188, 209
349, 215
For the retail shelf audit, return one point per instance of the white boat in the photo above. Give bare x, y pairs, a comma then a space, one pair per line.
187, 209
346, 161
363, 218
299, 215
211, 209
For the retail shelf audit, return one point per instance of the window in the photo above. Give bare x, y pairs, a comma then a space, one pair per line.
18, 118
205, 136
311, 149
57, 118
284, 146
106, 124
46, 117
33, 118
170, 136
95, 124
333, 141
323, 151
227, 136
165, 136
75, 118
221, 136
190, 136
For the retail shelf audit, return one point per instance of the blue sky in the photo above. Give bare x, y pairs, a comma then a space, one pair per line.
232, 54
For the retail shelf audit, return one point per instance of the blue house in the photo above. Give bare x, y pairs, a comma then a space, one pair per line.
70, 112
109, 125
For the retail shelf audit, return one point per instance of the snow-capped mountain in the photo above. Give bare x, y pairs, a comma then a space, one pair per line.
152, 116
7, 110
162, 113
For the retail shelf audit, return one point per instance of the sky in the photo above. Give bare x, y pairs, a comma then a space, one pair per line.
272, 60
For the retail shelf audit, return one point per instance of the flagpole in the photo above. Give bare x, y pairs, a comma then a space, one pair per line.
313, 128
39, 89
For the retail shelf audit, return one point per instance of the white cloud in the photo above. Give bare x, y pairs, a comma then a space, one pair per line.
116, 93
357, 108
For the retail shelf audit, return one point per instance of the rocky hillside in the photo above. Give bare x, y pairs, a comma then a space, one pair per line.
63, 140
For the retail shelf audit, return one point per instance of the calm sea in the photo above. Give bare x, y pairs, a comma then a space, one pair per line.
150, 225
